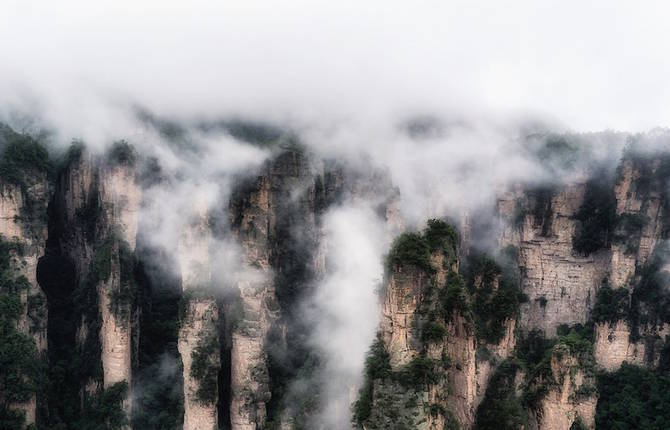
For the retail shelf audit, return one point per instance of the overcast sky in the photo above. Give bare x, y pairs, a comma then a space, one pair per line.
589, 65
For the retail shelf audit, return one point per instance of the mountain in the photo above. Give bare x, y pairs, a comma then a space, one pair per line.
121, 309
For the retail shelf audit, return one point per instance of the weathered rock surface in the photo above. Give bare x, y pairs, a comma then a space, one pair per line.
199, 321
571, 394
21, 212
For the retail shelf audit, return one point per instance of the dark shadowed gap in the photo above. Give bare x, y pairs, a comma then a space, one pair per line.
56, 276
158, 381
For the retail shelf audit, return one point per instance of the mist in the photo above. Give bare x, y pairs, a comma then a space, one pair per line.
344, 307
586, 66
442, 95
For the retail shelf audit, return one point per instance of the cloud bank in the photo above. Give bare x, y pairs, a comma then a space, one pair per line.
587, 66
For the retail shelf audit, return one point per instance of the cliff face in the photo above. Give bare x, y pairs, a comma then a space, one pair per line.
571, 395
560, 284
586, 266
276, 217
198, 332
467, 338
22, 209
421, 373
96, 206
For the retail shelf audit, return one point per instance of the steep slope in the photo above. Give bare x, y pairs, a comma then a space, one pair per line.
25, 187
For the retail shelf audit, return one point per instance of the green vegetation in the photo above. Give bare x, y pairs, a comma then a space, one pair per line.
491, 306
628, 231
121, 300
578, 424
650, 303
377, 367
205, 367
122, 153
24, 162
501, 407
159, 405
611, 305
409, 249
104, 409
540, 201
22, 370
441, 236
432, 332
599, 226
20, 154
419, 373
455, 297
414, 249
102, 261
89, 214
407, 381
633, 398
597, 215
558, 153
647, 306
576, 341
507, 400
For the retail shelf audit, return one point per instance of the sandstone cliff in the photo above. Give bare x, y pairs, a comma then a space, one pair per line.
22, 210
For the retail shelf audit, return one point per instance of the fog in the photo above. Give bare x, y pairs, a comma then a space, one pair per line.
352, 80
587, 66
344, 307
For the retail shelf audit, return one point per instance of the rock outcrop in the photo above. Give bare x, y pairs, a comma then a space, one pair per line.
199, 329
561, 286
22, 209
570, 395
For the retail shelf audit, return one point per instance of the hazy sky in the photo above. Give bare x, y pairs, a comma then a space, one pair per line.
589, 65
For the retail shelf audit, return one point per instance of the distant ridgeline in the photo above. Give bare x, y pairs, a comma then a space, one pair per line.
552, 312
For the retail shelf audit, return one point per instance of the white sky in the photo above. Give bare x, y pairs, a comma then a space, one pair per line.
590, 65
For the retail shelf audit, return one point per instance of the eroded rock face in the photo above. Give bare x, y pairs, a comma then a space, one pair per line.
486, 366
401, 302
561, 286
570, 396
198, 325
450, 393
120, 198
21, 212
460, 346
613, 345
93, 227
198, 332
282, 206
257, 306
276, 220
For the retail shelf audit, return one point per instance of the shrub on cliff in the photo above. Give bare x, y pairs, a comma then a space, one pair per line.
21, 369
611, 305
501, 408
596, 217
650, 301
492, 307
205, 368
412, 248
104, 409
377, 367
122, 153
409, 249
20, 153
441, 236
